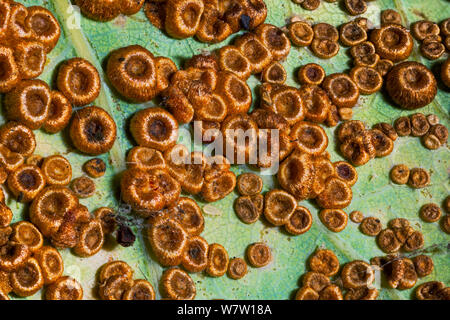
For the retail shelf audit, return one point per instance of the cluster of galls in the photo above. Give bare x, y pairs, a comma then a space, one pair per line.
156, 131
435, 39
410, 84
285, 108
278, 206
399, 235
214, 86
116, 283
322, 38
210, 21
249, 206
55, 210
307, 176
57, 213
106, 10
32, 105
356, 277
92, 130
416, 177
353, 7
403, 273
305, 173
158, 169
27, 265
308, 173
339, 92
320, 99
174, 236
433, 134
27, 35
137, 75
359, 145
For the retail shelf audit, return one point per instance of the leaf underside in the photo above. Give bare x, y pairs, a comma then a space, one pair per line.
374, 194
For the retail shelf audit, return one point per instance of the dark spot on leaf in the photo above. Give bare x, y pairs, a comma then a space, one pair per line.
94, 131
27, 180
125, 236
245, 22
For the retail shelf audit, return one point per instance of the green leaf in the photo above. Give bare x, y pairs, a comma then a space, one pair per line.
374, 195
